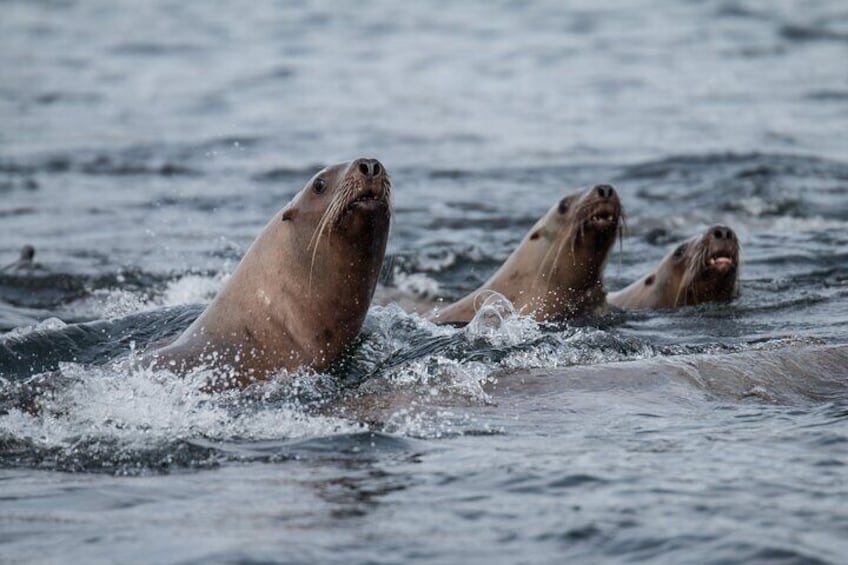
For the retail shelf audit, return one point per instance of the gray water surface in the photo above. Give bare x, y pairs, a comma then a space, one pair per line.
143, 145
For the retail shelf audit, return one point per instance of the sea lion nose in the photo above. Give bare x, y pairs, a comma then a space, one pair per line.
369, 168
723, 232
605, 191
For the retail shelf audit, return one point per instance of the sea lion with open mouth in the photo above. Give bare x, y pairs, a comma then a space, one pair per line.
299, 296
703, 269
556, 272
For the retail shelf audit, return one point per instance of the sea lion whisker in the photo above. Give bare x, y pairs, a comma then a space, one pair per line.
545, 279
544, 261
328, 219
557, 254
314, 243
620, 233
574, 235
693, 267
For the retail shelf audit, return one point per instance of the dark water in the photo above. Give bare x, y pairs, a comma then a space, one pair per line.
143, 145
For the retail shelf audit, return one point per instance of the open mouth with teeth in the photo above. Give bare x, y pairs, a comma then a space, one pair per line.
368, 199
604, 218
721, 261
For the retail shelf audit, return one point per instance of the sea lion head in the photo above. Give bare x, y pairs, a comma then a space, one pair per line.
342, 198
572, 242
704, 268
24, 261
556, 273
340, 219
578, 232
589, 218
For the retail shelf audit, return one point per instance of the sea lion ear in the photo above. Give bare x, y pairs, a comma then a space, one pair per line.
289, 214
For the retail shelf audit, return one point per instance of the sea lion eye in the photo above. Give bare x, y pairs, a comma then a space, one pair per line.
563, 205
678, 253
319, 185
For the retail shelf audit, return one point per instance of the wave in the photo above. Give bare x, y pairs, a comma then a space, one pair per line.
86, 408
166, 160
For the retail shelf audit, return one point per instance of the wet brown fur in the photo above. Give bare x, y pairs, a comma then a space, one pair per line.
300, 294
556, 271
687, 279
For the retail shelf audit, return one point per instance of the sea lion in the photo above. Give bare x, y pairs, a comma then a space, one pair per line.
778, 372
299, 296
556, 271
24, 261
702, 269
788, 373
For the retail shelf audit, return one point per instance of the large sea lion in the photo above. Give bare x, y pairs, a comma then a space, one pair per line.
789, 373
556, 271
299, 296
702, 269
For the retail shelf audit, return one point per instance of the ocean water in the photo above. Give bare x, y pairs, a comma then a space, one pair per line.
143, 145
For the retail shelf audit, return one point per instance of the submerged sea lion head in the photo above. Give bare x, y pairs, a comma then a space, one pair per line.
24, 261
703, 269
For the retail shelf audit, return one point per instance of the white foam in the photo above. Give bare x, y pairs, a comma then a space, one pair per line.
385, 334
191, 289
566, 350
111, 303
757, 206
430, 424
436, 261
417, 284
138, 407
118, 302
440, 375
45, 325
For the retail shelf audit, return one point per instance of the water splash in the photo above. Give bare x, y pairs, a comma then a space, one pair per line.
50, 324
115, 417
192, 288
499, 324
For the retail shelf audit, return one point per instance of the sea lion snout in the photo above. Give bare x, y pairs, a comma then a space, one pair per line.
602, 195
371, 180
365, 186
604, 207
722, 232
723, 245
